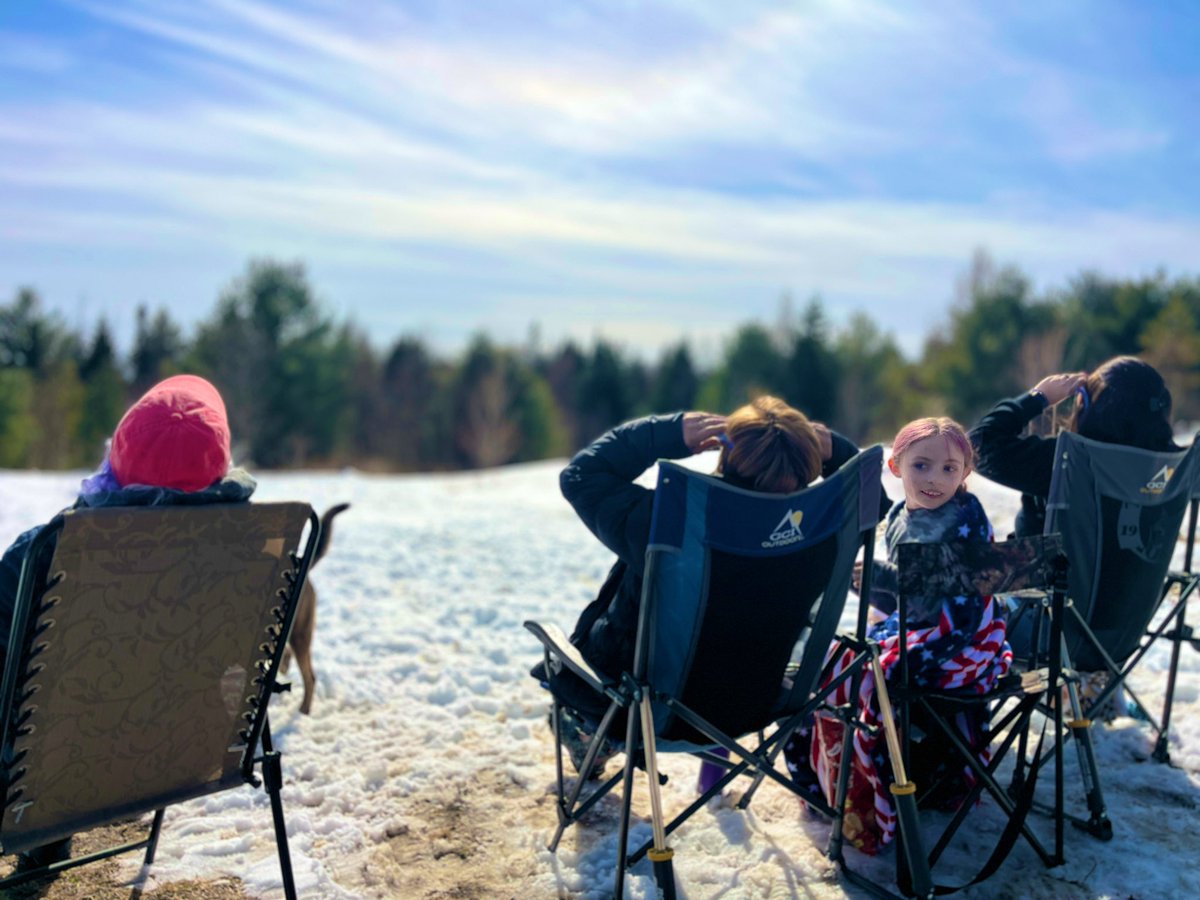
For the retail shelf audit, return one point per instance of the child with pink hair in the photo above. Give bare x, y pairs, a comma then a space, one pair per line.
932, 458
953, 642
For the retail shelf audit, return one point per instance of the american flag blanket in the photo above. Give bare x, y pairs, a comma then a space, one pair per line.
964, 649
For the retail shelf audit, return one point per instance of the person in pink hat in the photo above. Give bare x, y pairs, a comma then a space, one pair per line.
172, 447
176, 436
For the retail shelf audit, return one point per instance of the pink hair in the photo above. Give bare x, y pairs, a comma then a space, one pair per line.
919, 429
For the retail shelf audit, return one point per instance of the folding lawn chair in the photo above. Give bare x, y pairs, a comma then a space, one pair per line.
955, 569
144, 650
1119, 510
737, 585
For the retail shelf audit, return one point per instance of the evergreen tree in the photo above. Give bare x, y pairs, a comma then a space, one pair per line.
269, 346
606, 392
18, 426
561, 373
675, 381
536, 415
483, 434
752, 366
59, 400
406, 428
31, 338
313, 393
1104, 317
1171, 343
360, 443
158, 349
977, 360
103, 395
811, 379
876, 393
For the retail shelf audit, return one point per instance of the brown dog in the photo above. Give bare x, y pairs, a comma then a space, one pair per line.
305, 622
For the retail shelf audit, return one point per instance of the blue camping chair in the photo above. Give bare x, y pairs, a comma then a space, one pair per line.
1119, 510
741, 600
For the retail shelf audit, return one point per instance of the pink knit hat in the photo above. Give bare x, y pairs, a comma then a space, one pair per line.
175, 436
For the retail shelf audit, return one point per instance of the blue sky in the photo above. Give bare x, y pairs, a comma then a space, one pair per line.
641, 171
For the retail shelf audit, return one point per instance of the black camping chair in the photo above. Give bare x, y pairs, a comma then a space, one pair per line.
949, 570
1120, 511
143, 653
737, 585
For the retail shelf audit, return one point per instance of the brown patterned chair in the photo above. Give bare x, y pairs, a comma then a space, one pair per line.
144, 650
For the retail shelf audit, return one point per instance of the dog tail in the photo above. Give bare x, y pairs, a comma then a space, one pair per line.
327, 530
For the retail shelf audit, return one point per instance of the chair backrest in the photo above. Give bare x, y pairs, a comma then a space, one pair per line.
971, 567
142, 658
739, 583
1119, 510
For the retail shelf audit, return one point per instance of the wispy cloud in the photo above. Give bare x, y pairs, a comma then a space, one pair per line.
640, 158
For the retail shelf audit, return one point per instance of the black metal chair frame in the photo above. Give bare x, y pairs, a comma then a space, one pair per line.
1174, 628
1014, 700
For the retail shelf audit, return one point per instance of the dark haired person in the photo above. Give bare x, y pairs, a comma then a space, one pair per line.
1124, 401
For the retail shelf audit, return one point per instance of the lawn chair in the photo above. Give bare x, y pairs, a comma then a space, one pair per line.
954, 569
144, 650
1120, 510
737, 585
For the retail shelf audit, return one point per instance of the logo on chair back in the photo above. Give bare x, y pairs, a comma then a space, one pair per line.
787, 531
1158, 483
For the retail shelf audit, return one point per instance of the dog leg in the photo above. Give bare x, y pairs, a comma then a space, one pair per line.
305, 623
300, 643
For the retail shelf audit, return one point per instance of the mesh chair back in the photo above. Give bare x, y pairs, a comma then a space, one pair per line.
741, 583
143, 662
1119, 510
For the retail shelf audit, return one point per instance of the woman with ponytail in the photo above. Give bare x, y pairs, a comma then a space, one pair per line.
1124, 401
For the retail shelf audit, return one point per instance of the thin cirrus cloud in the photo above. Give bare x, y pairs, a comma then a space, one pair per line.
647, 170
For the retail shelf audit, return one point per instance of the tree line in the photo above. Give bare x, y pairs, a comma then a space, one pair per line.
306, 391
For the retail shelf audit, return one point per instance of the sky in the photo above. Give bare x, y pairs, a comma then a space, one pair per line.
642, 172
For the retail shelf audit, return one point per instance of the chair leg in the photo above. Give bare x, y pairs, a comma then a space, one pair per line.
904, 792
560, 802
1161, 752
661, 855
1020, 762
152, 840
568, 813
834, 850
1098, 823
631, 735
272, 769
273, 781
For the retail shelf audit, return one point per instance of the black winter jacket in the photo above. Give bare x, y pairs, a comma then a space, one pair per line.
1023, 462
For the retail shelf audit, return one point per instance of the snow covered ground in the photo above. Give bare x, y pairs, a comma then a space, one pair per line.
426, 767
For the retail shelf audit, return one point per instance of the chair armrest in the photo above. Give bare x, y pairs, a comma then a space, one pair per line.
555, 641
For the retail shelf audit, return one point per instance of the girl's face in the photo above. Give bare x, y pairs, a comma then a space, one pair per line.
931, 470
